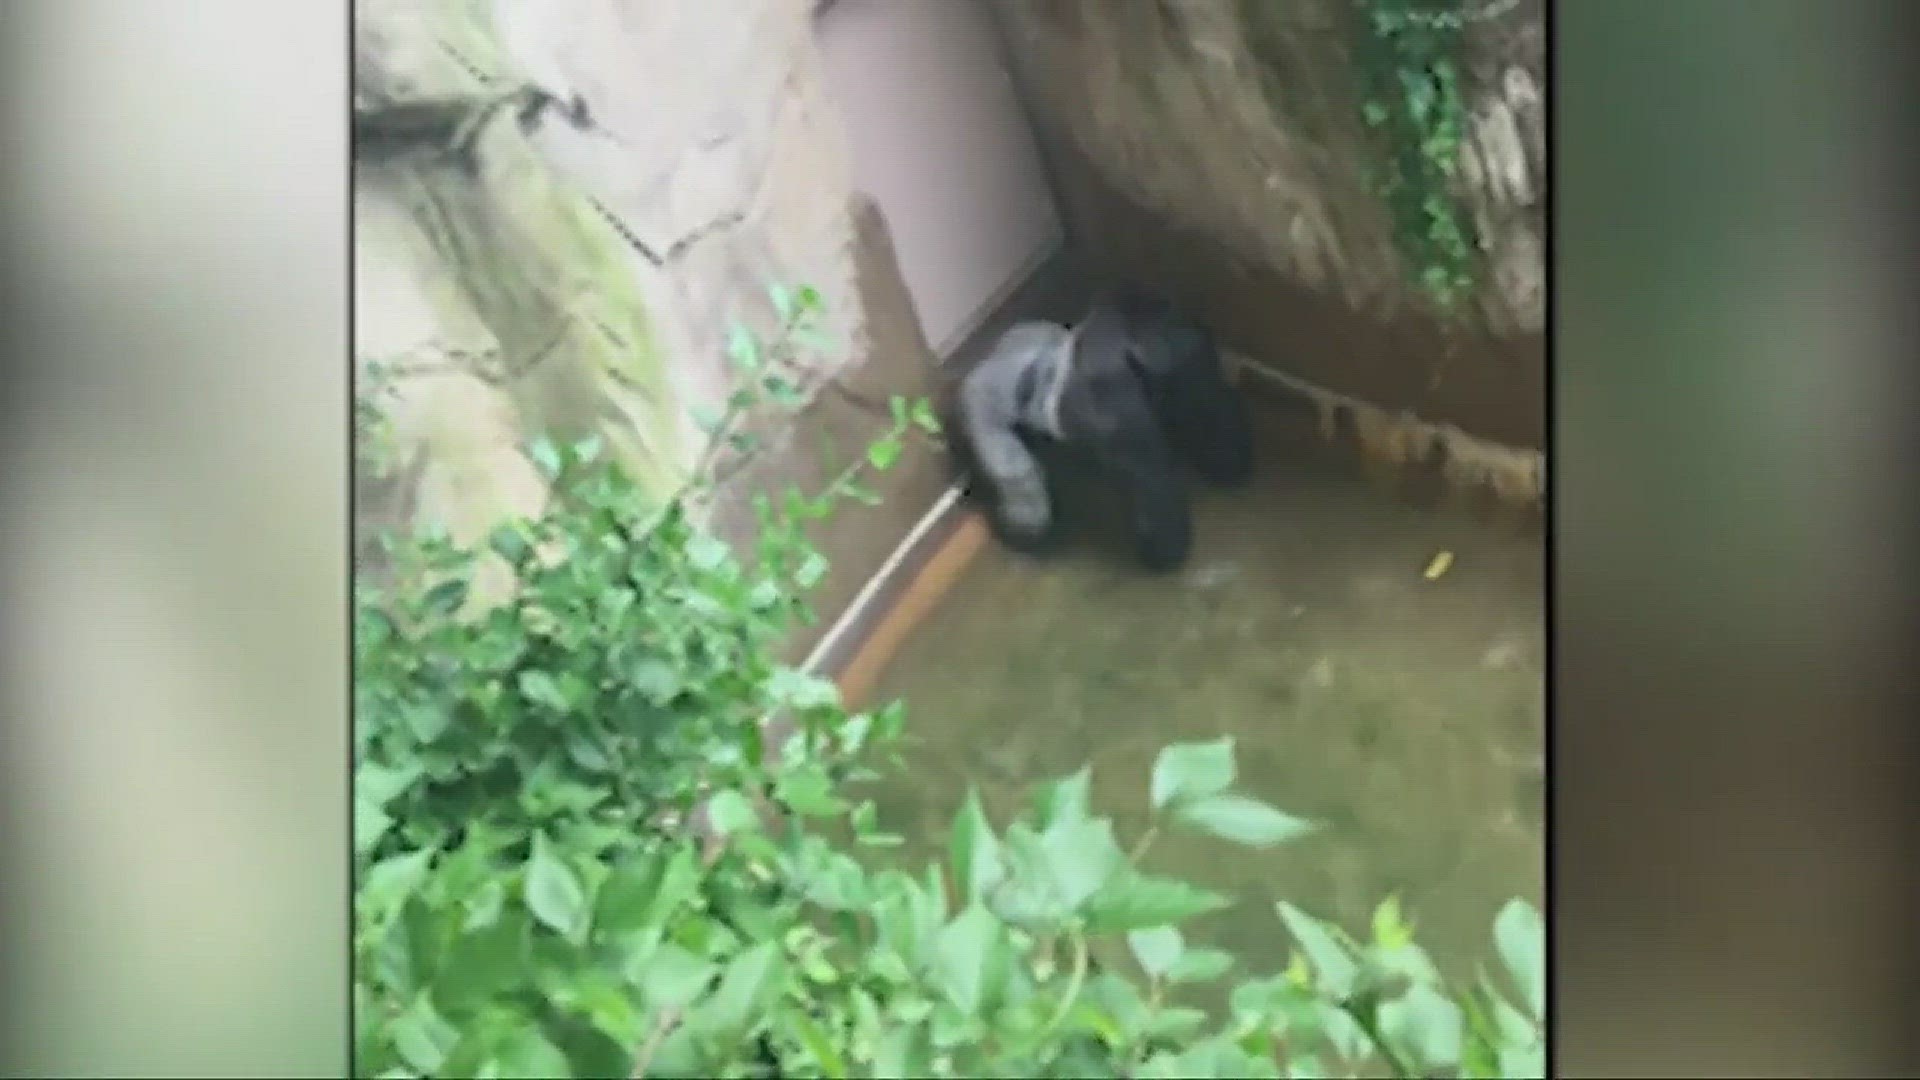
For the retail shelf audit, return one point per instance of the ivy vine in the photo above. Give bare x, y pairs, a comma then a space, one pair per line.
1410, 97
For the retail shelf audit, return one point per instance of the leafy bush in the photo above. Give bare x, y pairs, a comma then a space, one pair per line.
600, 830
1407, 60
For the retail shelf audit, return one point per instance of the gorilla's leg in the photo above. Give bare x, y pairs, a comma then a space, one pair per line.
1106, 408
1158, 506
1206, 421
1113, 422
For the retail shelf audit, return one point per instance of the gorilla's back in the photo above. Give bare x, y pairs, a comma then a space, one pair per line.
1001, 384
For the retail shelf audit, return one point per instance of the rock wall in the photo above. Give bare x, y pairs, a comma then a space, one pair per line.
1218, 148
584, 282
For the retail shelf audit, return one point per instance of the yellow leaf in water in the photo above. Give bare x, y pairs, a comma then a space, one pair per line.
1439, 565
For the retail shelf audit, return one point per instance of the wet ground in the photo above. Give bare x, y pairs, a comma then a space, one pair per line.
1405, 714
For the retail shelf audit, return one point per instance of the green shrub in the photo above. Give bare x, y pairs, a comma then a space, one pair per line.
1407, 59
581, 849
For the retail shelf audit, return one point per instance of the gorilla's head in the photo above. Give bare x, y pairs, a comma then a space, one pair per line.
1202, 414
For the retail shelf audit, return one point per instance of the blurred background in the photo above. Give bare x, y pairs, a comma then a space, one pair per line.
1731, 764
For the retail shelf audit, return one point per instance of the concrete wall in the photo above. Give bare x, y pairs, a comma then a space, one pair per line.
724, 164
939, 139
1217, 148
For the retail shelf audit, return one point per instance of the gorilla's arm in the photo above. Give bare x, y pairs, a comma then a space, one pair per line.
991, 410
1019, 487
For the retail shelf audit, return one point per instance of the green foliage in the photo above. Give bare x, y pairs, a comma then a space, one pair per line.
1410, 95
373, 388
579, 851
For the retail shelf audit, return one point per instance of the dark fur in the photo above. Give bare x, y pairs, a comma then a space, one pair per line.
1148, 400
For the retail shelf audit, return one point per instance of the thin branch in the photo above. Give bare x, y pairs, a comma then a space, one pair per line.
661, 1029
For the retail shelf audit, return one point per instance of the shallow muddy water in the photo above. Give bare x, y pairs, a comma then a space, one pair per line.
1406, 715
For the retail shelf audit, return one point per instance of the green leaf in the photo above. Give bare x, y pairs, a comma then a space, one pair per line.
546, 457
370, 823
484, 961
903, 922
858, 492
1066, 798
744, 988
809, 792
655, 679
811, 570
902, 1052
829, 878
974, 850
705, 553
1212, 1057
1176, 1024
673, 977
883, 453
1342, 1032
625, 900
1157, 949
510, 543
743, 349
541, 689
782, 390
865, 817
681, 1053
765, 594
422, 1037
1479, 1060
1306, 1067
782, 299
730, 812
381, 784
796, 689
1184, 772
1390, 930
1200, 966
1425, 1026
1134, 901
1510, 1024
445, 597
553, 891
679, 883
924, 416
1241, 820
1334, 968
867, 1021
1264, 1004
1520, 936
1408, 961
964, 952
1082, 856
815, 1039
527, 1055
388, 883
1523, 1062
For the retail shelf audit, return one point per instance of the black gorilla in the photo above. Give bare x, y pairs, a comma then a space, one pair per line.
1134, 390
